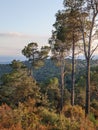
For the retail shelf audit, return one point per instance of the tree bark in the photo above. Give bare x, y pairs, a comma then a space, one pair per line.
73, 72
87, 107
62, 90
62, 81
88, 59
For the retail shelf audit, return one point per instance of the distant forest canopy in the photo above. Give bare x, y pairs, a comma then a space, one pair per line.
49, 70
27, 102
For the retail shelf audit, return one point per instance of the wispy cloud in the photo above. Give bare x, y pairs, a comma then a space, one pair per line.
11, 43
18, 34
9, 37
7, 34
22, 38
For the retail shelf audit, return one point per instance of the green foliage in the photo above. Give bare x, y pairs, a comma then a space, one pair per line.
49, 117
53, 92
80, 96
92, 119
81, 82
38, 64
35, 56
30, 50
17, 65
58, 121
18, 86
94, 104
5, 68
54, 81
46, 72
74, 112
27, 105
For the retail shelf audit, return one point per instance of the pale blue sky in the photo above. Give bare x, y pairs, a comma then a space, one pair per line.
24, 21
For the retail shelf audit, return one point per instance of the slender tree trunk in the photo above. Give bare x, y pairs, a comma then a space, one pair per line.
73, 73
30, 70
32, 67
62, 90
88, 58
62, 82
87, 107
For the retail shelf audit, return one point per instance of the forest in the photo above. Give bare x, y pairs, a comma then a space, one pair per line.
56, 91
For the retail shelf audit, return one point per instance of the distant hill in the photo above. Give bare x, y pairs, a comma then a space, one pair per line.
5, 68
5, 63
49, 70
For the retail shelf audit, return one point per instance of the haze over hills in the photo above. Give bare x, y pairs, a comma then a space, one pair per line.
9, 59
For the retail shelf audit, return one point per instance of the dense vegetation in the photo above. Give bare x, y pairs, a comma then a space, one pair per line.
62, 94
49, 69
30, 105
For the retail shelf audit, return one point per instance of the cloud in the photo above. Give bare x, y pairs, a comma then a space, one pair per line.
11, 34
19, 39
18, 34
11, 43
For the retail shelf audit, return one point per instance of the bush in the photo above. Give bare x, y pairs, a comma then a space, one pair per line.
49, 117
74, 112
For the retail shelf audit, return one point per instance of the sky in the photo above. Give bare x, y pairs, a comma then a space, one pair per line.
25, 21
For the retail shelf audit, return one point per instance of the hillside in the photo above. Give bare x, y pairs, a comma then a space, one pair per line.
49, 70
25, 104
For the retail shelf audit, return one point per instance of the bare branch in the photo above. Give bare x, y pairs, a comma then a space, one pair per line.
93, 51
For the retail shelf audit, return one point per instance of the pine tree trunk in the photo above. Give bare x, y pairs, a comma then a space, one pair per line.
30, 73
62, 90
87, 107
88, 58
62, 81
73, 72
